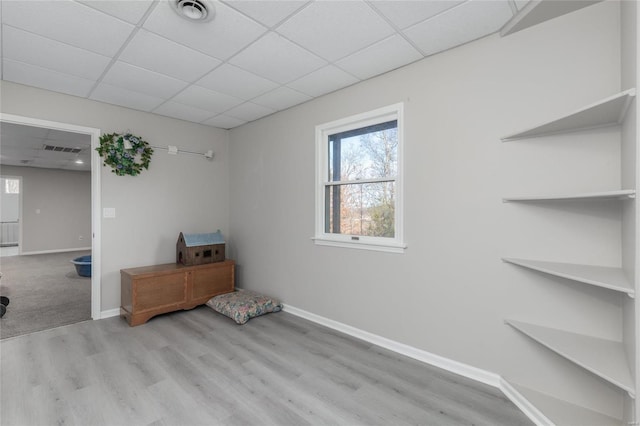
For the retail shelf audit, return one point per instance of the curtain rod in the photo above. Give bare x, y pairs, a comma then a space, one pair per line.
174, 150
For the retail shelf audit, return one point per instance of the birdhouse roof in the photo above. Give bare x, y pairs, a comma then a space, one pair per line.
194, 240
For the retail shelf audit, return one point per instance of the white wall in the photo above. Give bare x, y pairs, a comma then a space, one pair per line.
449, 293
177, 193
56, 208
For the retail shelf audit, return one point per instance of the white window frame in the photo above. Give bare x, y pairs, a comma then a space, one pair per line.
323, 131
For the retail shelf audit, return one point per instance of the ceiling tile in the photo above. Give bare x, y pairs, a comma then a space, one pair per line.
383, 56
53, 155
205, 99
224, 122
404, 13
324, 80
56, 137
18, 153
12, 133
36, 50
158, 54
124, 97
277, 59
334, 29
68, 22
30, 75
464, 23
140, 80
24, 143
249, 111
183, 112
281, 98
222, 37
130, 11
236, 82
267, 12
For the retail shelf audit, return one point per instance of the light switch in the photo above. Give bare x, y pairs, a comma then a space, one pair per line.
108, 212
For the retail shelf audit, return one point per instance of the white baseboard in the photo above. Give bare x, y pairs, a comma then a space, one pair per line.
29, 253
524, 405
109, 313
470, 372
456, 367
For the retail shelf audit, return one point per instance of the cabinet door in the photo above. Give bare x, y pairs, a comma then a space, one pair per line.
160, 291
212, 280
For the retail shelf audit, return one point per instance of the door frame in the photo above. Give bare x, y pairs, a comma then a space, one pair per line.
96, 195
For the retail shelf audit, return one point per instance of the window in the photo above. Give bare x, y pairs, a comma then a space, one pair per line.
358, 181
11, 186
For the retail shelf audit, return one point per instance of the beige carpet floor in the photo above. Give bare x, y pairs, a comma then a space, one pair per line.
45, 292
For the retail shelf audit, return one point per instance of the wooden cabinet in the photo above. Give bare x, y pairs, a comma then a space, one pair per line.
152, 290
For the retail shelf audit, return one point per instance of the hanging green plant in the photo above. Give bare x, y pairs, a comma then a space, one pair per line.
126, 154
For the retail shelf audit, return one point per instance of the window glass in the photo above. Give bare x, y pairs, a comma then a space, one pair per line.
11, 186
359, 181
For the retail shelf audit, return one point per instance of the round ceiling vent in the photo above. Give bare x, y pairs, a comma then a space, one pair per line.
194, 10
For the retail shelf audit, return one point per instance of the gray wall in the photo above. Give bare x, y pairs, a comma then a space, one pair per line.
56, 208
449, 293
178, 193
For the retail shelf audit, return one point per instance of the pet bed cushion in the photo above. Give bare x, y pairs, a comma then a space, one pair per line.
243, 305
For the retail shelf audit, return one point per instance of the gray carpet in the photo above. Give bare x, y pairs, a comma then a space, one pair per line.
45, 292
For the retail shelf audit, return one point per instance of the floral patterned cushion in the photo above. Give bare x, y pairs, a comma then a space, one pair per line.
243, 305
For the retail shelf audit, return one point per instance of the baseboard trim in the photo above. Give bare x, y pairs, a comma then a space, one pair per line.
450, 365
109, 313
29, 253
524, 405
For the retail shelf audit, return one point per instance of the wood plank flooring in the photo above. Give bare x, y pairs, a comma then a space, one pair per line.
200, 368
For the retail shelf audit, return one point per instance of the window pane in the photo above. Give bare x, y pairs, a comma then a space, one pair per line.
361, 209
366, 153
12, 186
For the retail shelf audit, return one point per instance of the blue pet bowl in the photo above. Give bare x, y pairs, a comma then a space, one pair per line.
83, 265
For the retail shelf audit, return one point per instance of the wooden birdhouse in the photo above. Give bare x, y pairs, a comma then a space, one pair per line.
196, 249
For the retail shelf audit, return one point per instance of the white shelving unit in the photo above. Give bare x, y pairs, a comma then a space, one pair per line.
622, 194
599, 276
607, 359
606, 112
604, 358
559, 412
538, 11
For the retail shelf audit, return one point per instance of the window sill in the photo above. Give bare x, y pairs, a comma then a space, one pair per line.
388, 247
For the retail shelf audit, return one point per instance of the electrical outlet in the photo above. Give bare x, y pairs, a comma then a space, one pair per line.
80, 238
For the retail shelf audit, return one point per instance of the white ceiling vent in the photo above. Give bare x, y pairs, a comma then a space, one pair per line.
61, 149
194, 10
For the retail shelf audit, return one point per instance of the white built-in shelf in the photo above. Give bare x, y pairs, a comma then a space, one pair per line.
538, 11
560, 412
604, 358
600, 276
607, 112
622, 194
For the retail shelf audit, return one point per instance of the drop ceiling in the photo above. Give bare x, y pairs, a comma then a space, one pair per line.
29, 146
254, 58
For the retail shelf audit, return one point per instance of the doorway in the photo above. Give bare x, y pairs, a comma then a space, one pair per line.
10, 189
94, 135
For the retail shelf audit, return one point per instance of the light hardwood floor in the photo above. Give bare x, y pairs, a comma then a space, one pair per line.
199, 368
